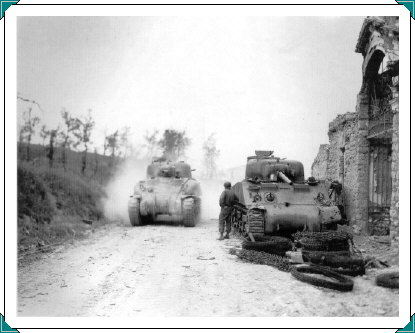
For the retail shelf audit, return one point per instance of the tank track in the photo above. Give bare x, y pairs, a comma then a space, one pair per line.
325, 236
263, 258
190, 213
255, 222
134, 215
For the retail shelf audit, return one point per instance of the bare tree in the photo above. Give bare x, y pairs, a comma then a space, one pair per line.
151, 143
44, 133
124, 141
211, 153
105, 143
51, 149
174, 143
28, 129
67, 135
83, 133
96, 161
113, 144
21, 139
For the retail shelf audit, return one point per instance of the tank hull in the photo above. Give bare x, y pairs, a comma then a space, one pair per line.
166, 198
289, 207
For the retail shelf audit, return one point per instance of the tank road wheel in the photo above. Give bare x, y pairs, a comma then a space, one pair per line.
239, 225
190, 212
134, 214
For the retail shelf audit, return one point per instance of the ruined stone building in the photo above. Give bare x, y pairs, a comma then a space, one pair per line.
363, 146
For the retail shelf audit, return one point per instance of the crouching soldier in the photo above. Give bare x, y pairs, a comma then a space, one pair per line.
226, 201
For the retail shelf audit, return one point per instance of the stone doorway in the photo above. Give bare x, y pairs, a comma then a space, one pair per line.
380, 187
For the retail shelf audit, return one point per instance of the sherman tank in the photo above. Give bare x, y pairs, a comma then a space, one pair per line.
274, 198
169, 194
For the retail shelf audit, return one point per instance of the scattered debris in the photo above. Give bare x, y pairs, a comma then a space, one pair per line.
201, 258
372, 262
388, 280
295, 256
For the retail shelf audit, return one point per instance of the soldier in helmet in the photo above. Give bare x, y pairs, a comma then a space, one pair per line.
226, 201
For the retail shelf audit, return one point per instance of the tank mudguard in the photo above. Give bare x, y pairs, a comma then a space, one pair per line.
192, 188
134, 201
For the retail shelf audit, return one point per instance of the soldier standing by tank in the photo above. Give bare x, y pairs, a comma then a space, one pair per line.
226, 201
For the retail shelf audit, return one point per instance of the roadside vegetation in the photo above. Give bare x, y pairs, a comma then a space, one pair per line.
57, 204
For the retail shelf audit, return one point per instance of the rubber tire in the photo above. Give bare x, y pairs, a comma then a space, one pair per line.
274, 245
136, 219
310, 244
344, 261
355, 271
343, 283
388, 280
189, 215
319, 257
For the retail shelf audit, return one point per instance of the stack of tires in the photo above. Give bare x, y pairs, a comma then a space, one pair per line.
331, 250
328, 258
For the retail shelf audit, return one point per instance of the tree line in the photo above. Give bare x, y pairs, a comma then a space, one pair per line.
74, 133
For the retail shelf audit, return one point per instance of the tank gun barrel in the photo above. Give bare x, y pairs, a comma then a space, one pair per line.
284, 178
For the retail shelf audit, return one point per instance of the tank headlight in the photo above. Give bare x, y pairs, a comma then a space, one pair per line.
320, 196
137, 189
269, 197
257, 197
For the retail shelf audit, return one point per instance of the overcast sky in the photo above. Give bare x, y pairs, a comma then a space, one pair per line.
257, 82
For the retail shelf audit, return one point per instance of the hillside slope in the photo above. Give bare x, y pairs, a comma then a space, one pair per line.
58, 203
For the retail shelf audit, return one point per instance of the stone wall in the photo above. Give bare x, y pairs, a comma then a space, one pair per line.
394, 210
337, 160
319, 166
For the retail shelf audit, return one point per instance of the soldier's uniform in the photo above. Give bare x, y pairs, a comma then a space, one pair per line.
226, 201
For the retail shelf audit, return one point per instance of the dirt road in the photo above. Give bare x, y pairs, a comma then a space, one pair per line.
162, 270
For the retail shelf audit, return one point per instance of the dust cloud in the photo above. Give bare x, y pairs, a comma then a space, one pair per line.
211, 190
120, 187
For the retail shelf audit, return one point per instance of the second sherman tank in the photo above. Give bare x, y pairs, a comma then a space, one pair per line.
169, 194
274, 198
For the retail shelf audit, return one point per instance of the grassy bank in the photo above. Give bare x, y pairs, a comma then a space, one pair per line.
53, 205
